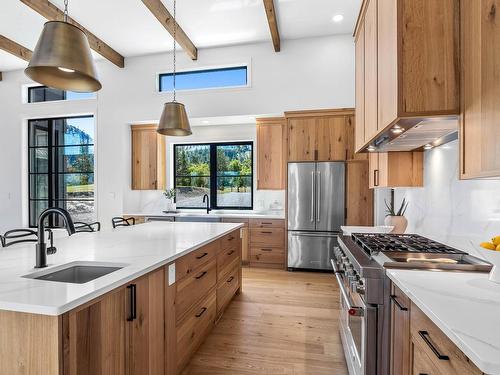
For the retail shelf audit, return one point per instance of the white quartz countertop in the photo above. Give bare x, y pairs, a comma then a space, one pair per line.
465, 306
271, 214
141, 249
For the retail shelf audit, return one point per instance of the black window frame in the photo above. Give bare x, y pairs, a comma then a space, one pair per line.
187, 72
213, 173
32, 88
53, 221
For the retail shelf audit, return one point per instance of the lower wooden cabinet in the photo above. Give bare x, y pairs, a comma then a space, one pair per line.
418, 346
267, 243
120, 333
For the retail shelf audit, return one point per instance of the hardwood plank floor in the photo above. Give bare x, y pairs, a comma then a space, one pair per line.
282, 323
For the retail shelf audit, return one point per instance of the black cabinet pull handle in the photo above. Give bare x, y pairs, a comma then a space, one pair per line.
202, 255
202, 311
426, 338
231, 252
133, 302
266, 249
401, 307
266, 232
200, 275
230, 238
230, 279
264, 223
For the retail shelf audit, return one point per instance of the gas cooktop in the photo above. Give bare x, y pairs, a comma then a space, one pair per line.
412, 251
373, 243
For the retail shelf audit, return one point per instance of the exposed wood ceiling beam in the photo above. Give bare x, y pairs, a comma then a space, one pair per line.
273, 24
15, 49
167, 20
53, 13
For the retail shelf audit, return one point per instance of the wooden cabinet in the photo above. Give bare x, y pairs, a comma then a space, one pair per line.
271, 153
359, 197
148, 158
400, 332
121, 332
396, 169
245, 236
480, 128
409, 63
267, 243
318, 135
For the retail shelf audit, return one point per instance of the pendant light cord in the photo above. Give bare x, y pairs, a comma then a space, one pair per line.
65, 10
175, 29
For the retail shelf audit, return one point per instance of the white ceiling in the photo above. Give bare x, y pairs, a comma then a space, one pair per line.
129, 27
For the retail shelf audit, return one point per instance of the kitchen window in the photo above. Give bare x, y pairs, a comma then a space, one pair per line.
236, 76
223, 171
61, 167
39, 94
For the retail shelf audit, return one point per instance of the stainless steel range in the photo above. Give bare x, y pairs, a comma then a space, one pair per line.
359, 264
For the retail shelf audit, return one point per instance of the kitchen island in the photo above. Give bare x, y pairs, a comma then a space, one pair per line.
148, 317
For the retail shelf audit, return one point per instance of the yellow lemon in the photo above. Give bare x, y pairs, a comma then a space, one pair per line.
488, 245
498, 247
496, 240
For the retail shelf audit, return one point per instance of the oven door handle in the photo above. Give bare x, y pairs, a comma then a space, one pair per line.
351, 309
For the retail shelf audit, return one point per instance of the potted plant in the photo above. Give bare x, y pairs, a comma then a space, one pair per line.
170, 195
396, 218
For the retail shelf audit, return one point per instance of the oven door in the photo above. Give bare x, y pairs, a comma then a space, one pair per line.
358, 329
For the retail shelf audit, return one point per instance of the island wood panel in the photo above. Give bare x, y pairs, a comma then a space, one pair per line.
271, 153
371, 81
400, 333
148, 158
429, 56
359, 134
146, 333
30, 344
301, 139
359, 197
479, 131
94, 336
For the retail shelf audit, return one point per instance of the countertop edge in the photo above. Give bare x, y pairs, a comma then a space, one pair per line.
57, 311
215, 215
485, 366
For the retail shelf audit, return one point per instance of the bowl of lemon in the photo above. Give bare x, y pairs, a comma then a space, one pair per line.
491, 251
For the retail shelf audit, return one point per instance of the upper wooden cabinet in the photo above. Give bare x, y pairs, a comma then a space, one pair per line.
409, 63
480, 127
319, 135
359, 198
396, 169
148, 158
271, 153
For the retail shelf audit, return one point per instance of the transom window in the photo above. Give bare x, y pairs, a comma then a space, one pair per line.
39, 94
61, 167
236, 76
223, 171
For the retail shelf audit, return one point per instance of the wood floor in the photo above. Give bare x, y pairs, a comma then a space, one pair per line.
282, 323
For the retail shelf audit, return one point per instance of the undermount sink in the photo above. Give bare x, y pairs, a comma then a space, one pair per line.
76, 272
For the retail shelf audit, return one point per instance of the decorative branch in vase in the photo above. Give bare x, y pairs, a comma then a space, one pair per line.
171, 205
396, 218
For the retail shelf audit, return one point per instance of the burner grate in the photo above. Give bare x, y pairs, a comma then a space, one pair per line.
373, 243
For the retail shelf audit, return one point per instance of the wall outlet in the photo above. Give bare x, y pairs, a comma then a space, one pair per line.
171, 274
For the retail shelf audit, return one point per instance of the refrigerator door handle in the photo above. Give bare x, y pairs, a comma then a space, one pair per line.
313, 196
318, 199
313, 234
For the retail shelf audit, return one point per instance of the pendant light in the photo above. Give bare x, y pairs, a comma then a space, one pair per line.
62, 58
174, 120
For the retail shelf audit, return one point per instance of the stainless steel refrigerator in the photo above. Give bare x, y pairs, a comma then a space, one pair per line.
316, 210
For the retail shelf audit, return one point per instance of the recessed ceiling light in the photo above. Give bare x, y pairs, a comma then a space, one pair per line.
371, 148
427, 146
338, 18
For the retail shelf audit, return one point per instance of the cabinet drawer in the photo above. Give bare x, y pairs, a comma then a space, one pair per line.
267, 223
226, 261
271, 237
421, 363
267, 255
194, 287
226, 288
230, 241
188, 263
193, 329
444, 354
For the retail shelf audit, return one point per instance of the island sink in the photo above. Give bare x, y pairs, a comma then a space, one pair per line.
76, 272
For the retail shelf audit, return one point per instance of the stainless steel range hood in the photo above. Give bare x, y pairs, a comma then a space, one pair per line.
415, 135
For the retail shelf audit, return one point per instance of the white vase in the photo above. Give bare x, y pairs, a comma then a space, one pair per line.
398, 222
171, 205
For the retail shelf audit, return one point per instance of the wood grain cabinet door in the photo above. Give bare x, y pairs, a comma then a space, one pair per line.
371, 73
400, 333
301, 139
359, 136
145, 328
331, 138
94, 337
148, 158
271, 156
480, 128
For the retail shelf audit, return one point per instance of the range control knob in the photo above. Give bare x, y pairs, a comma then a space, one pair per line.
360, 288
